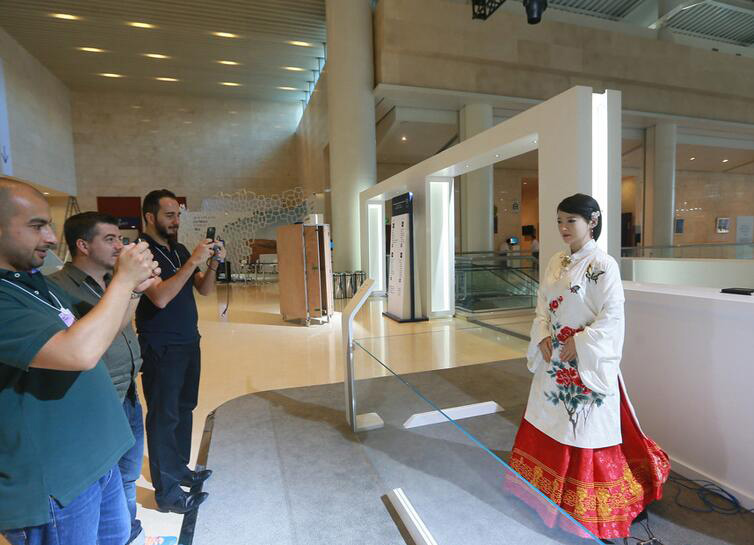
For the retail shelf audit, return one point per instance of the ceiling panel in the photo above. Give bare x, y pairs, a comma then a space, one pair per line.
183, 32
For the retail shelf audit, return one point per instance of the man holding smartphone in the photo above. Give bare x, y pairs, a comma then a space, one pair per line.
166, 320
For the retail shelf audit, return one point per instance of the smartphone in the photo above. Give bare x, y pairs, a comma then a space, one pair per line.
211, 233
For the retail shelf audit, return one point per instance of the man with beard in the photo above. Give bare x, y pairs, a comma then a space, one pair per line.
95, 243
166, 320
62, 429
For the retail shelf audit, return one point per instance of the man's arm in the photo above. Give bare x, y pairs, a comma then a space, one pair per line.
81, 346
161, 293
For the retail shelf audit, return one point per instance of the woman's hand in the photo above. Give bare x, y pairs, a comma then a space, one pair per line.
568, 350
545, 346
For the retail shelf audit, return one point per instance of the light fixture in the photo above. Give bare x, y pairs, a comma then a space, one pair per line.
725, 160
294, 69
230, 84
138, 24
146, 120
65, 16
167, 79
403, 138
91, 49
283, 88
497, 156
110, 75
225, 35
692, 158
156, 56
299, 43
232, 112
45, 192
229, 63
187, 122
136, 107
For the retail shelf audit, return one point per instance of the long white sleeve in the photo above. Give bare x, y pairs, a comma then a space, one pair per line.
540, 329
600, 346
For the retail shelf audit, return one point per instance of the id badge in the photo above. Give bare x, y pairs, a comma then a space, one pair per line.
67, 317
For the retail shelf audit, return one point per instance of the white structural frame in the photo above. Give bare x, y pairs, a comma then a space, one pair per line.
578, 136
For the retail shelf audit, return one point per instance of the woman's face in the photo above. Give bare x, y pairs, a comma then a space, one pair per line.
574, 229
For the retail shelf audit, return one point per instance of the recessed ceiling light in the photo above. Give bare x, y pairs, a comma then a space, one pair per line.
225, 35
692, 158
230, 84
111, 75
283, 88
138, 24
91, 49
403, 138
232, 112
136, 107
299, 43
294, 69
725, 160
497, 155
146, 120
229, 63
66, 16
45, 192
156, 56
187, 122
167, 79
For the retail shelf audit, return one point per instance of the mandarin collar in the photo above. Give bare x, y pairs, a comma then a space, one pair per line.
585, 250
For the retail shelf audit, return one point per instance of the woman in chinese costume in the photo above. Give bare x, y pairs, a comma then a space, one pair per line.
579, 442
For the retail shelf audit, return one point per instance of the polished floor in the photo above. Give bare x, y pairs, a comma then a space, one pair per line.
251, 349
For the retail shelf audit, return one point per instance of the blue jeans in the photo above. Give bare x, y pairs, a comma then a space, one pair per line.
98, 516
130, 463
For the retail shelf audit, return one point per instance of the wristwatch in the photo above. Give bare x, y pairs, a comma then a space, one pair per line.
135, 295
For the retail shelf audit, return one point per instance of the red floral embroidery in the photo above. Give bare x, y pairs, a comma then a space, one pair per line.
554, 305
566, 377
566, 333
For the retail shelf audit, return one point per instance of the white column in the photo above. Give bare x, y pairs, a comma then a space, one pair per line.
351, 123
476, 187
659, 213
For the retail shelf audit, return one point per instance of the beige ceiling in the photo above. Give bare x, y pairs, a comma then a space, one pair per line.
183, 32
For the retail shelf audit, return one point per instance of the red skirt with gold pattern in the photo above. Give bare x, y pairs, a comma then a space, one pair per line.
604, 489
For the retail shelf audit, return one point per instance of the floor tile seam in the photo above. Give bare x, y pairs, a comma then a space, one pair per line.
415, 333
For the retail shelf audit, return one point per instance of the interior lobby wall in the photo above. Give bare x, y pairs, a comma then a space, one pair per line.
128, 144
313, 138
716, 195
436, 44
39, 119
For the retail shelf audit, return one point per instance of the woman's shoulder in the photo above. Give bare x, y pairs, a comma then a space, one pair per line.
602, 261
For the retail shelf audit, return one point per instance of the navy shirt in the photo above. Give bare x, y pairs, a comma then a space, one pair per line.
60, 431
177, 322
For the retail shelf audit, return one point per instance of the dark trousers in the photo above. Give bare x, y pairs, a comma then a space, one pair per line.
171, 388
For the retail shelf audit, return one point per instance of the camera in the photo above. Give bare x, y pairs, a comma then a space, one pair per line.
534, 10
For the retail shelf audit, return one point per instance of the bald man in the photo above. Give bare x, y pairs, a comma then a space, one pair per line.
62, 429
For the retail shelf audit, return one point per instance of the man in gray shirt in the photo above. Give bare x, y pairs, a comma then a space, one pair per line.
95, 242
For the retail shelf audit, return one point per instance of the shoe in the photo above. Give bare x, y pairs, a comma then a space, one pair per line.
184, 504
197, 477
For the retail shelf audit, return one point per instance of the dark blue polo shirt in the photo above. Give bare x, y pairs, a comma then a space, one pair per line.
177, 322
60, 431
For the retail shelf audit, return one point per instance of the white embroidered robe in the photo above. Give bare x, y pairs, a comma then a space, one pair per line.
577, 403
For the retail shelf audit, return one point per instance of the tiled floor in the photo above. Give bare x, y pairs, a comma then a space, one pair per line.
252, 349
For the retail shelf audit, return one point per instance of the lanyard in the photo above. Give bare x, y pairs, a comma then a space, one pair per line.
97, 295
170, 260
59, 308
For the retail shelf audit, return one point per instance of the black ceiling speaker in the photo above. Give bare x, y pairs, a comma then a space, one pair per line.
534, 10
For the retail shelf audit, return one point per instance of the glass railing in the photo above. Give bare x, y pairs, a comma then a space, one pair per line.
692, 251
443, 437
489, 282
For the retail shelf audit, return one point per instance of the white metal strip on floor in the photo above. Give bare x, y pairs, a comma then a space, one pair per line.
454, 413
410, 518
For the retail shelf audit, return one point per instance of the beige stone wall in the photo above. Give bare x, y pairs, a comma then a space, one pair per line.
718, 195
129, 144
312, 138
39, 119
436, 44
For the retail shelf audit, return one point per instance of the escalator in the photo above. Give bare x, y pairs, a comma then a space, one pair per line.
488, 282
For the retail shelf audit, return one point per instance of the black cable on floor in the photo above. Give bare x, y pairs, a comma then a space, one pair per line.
714, 498
650, 539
